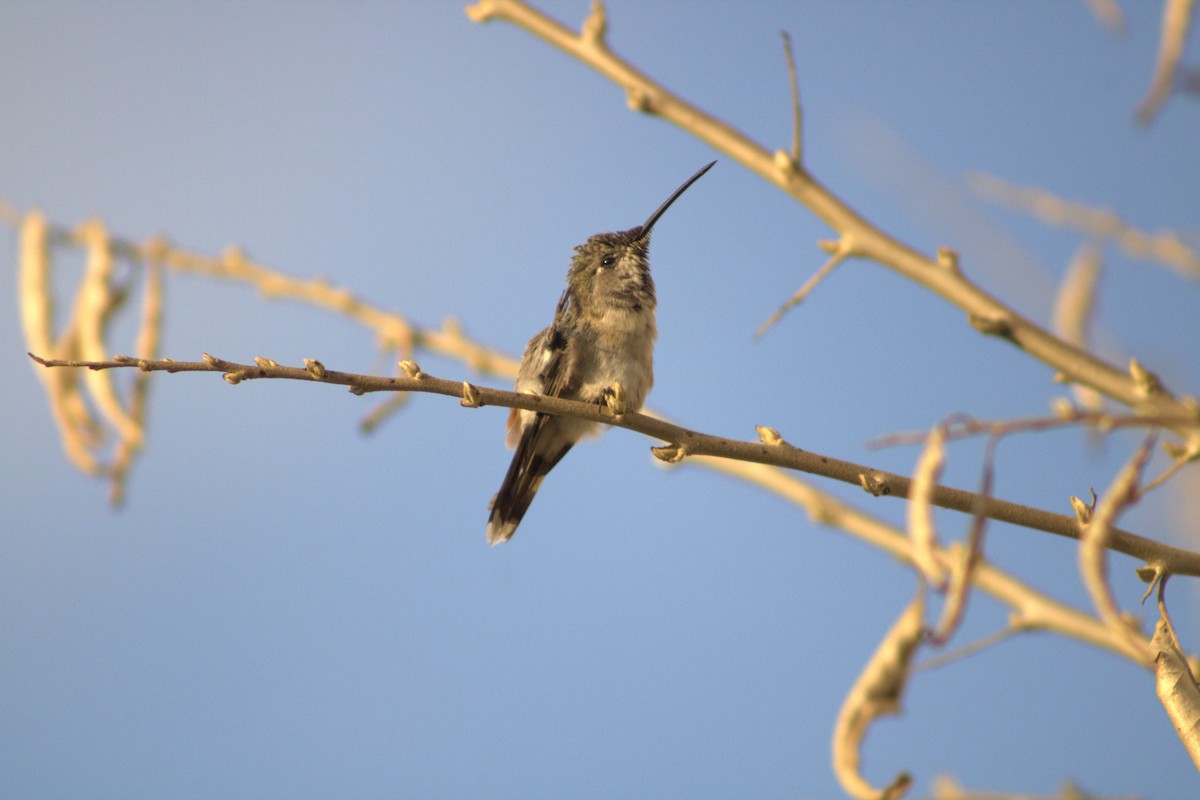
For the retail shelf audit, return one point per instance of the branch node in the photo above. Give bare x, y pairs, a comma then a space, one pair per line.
411, 370
1083, 509
481, 11
1150, 574
233, 378
211, 360
947, 259
315, 368
470, 396
875, 484
595, 26
265, 363
999, 325
785, 162
638, 99
1063, 408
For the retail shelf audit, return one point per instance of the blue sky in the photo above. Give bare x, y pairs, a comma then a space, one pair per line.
288, 608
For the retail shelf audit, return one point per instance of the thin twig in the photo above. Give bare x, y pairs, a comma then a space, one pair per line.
797, 109
839, 255
1093, 543
967, 650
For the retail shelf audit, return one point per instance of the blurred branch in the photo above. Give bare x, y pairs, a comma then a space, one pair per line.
1074, 308
965, 558
1165, 247
942, 276
876, 693
946, 788
82, 403
1176, 20
921, 528
1108, 14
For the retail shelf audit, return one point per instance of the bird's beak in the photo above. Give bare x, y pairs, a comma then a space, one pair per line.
662, 209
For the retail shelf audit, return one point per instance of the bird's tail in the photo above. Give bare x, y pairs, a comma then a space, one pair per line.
526, 473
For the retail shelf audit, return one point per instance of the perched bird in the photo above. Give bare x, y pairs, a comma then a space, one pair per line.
598, 349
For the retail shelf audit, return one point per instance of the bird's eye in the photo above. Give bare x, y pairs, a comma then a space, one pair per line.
608, 261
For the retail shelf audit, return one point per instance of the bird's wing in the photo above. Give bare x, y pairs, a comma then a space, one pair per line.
543, 370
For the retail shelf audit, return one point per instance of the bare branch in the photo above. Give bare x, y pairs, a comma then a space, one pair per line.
692, 443
1074, 308
987, 313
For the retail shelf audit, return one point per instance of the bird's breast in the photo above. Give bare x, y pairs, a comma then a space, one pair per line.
619, 348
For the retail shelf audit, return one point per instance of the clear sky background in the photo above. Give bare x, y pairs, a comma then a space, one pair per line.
288, 608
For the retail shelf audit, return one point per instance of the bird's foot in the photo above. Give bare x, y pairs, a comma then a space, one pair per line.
614, 400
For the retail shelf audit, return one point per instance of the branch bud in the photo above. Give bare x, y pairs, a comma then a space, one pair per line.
670, 453
1145, 383
1083, 511
768, 436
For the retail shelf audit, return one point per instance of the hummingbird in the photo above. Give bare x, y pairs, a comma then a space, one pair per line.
599, 349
